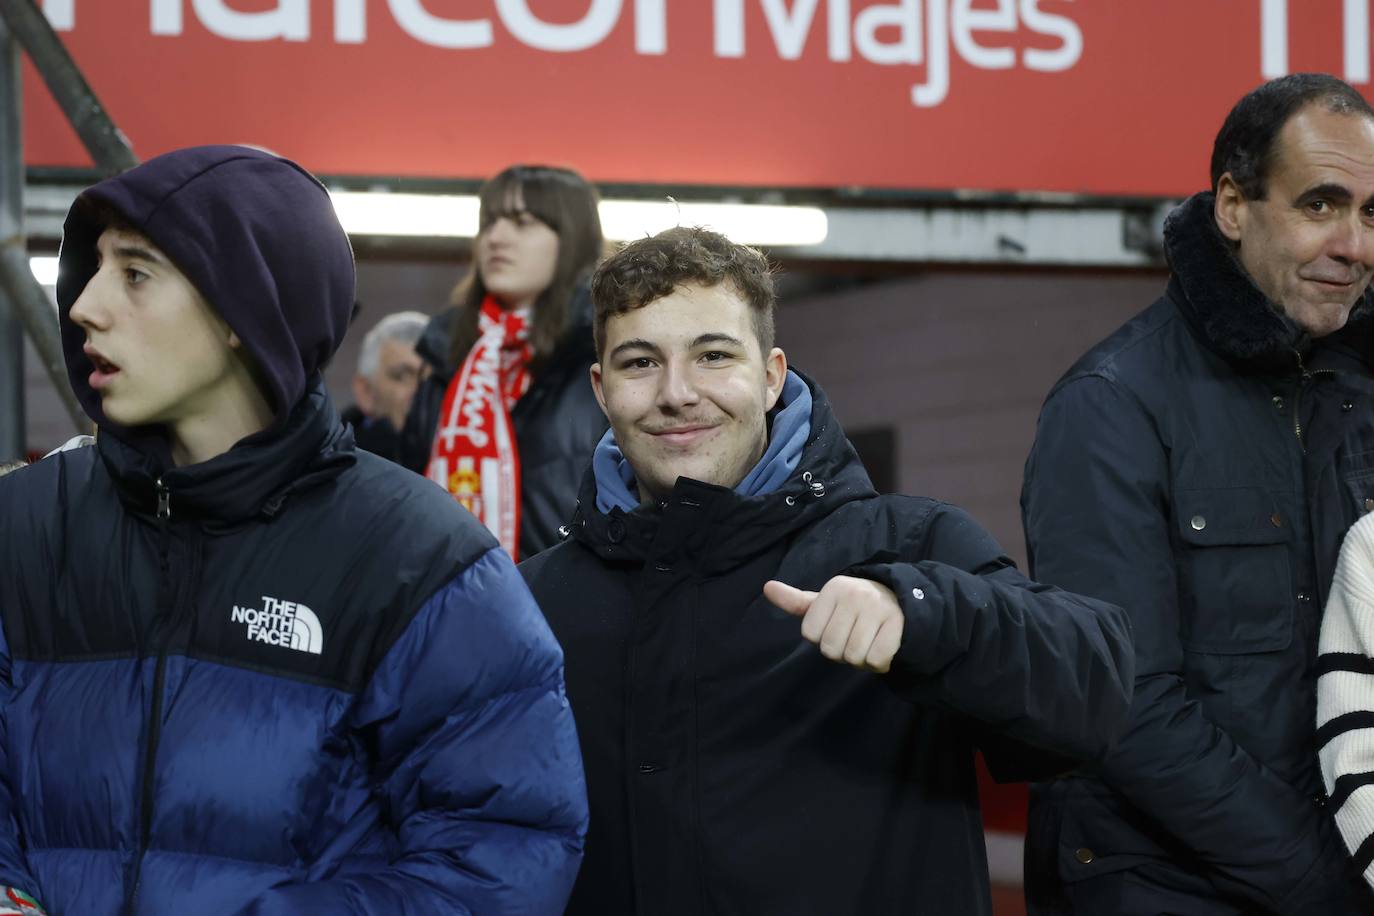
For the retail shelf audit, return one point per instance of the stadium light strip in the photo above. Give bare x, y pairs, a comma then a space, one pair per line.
44, 269
455, 216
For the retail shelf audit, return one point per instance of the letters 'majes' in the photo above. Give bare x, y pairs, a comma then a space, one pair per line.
899, 33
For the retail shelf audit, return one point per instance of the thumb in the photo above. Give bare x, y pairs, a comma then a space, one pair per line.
792, 600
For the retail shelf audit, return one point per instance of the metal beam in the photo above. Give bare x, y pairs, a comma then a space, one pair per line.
107, 145
39, 318
12, 437
23, 304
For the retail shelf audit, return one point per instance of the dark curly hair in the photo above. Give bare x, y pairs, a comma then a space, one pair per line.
1246, 144
651, 268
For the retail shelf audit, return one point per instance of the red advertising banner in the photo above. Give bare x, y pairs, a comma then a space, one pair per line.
1101, 97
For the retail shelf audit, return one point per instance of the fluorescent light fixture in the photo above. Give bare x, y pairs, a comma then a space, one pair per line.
382, 213
455, 216
746, 224
44, 269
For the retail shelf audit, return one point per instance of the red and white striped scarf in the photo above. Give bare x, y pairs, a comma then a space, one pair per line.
474, 455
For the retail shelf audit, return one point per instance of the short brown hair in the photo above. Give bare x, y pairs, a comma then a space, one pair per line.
651, 268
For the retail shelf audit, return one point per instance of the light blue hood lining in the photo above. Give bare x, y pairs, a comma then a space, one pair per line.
615, 480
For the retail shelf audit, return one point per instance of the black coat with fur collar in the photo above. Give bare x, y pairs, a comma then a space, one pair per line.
1200, 468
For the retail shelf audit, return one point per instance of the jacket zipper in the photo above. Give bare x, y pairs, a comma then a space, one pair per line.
145, 801
1304, 377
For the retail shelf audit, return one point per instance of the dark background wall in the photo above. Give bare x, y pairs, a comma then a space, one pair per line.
958, 364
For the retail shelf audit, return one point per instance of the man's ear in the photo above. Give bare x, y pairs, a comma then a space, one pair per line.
362, 394
596, 388
775, 376
1231, 209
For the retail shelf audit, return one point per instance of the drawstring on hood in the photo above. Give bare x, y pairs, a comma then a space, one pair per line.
615, 480
258, 237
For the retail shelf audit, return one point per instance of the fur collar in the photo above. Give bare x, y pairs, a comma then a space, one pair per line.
1225, 307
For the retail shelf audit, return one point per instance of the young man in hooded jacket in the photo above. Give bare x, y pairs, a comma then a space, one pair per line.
244, 667
731, 767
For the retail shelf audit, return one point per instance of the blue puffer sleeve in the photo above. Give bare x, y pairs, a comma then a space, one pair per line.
477, 762
14, 870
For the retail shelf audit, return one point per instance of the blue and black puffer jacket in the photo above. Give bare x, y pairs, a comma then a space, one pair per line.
292, 679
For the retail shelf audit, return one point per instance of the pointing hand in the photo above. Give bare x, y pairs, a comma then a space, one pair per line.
853, 620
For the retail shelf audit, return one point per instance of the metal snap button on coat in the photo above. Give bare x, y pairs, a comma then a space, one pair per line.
615, 530
1347, 406
1198, 523
1276, 520
918, 594
1278, 402
1368, 504
1084, 855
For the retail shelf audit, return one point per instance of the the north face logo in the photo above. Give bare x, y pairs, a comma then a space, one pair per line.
282, 623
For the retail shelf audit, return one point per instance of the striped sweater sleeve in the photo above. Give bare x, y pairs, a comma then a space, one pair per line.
1345, 695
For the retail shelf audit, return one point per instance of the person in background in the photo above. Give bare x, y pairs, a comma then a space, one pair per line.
1345, 695
507, 420
725, 526
245, 667
388, 373
1200, 468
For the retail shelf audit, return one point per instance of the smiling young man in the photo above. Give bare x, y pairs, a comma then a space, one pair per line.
732, 767
1200, 468
244, 667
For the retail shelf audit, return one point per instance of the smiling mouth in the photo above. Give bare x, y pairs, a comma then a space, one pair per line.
682, 435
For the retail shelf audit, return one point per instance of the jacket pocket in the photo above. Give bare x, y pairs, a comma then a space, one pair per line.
1097, 833
1357, 476
1235, 584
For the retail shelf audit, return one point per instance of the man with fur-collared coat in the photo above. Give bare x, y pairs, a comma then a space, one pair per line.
1199, 468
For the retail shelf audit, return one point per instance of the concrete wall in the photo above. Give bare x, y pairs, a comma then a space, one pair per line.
959, 363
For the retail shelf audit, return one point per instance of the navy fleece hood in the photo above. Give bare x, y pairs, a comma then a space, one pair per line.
257, 236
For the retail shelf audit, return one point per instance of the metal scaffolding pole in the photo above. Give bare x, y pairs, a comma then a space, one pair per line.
104, 141
11, 214
23, 303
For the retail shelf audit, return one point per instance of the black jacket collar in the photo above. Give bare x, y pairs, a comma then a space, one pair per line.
1225, 308
716, 529
252, 479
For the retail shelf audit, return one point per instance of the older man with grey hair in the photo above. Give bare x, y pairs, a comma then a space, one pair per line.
387, 376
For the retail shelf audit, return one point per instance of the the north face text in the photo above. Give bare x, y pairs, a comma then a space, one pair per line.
282, 623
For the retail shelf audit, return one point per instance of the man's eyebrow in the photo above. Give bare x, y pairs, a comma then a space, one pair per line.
1328, 191
635, 343
716, 337
140, 253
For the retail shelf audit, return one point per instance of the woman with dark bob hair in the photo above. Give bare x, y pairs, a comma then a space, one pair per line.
506, 420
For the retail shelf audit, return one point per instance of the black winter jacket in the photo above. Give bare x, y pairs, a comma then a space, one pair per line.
1199, 468
734, 770
557, 423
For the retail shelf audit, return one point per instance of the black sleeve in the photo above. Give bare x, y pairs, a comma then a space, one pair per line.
1032, 664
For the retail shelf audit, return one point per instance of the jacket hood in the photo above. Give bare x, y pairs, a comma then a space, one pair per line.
257, 236
791, 427
727, 528
1226, 309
